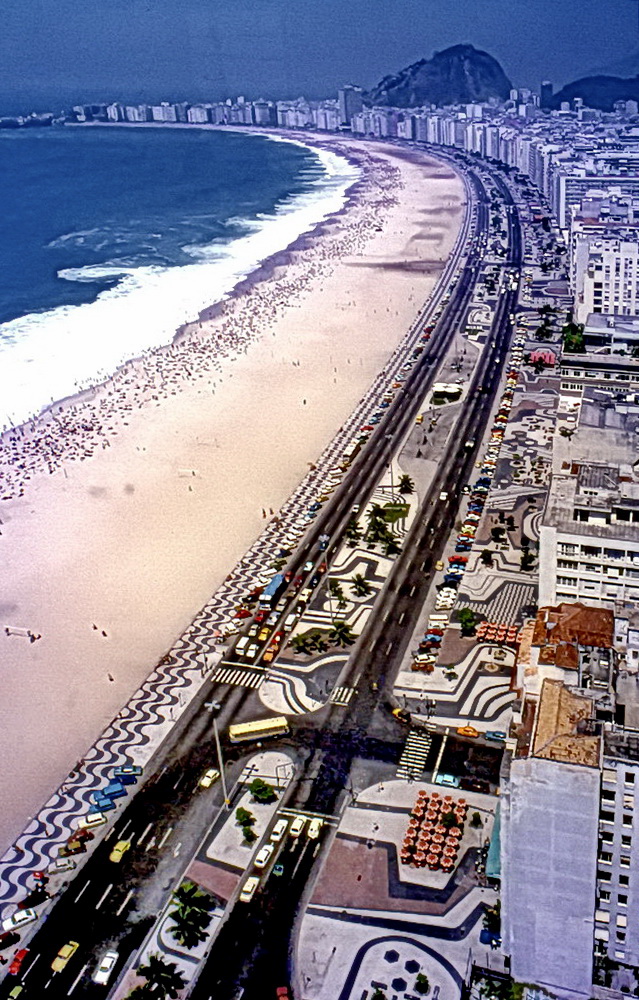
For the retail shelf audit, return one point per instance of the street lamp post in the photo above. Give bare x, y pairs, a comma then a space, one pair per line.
214, 706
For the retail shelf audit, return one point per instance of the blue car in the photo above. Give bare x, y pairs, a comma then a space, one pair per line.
498, 735
101, 802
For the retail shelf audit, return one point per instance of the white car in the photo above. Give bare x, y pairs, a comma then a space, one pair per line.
314, 828
264, 856
104, 970
209, 777
278, 831
90, 820
62, 865
19, 919
249, 889
297, 826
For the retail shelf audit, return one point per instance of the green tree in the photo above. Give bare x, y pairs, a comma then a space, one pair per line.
573, 334
250, 835
449, 819
189, 929
190, 896
391, 546
476, 820
422, 984
497, 533
487, 557
162, 978
341, 634
301, 643
378, 995
527, 561
377, 526
360, 586
336, 590
243, 817
467, 620
406, 485
262, 791
353, 532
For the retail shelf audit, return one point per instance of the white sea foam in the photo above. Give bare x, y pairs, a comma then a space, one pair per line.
50, 355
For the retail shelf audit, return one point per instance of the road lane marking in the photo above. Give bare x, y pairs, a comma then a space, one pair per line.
180, 779
104, 895
77, 979
176, 850
413, 589
85, 886
124, 829
401, 618
150, 844
388, 649
109, 834
165, 837
36, 959
144, 833
123, 904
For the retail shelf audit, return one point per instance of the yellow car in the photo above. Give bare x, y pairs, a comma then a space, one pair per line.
119, 850
468, 731
209, 777
264, 634
67, 951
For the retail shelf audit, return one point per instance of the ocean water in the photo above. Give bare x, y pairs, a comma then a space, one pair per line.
111, 238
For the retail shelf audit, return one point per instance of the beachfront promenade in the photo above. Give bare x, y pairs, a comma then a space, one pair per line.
146, 720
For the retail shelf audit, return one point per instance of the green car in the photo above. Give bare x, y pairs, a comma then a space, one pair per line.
278, 869
16, 991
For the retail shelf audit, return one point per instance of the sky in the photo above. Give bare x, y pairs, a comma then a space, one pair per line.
88, 50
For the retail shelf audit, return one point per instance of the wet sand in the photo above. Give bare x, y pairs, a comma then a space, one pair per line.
128, 505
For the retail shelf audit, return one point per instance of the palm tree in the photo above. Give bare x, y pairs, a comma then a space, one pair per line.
377, 527
341, 634
391, 545
301, 643
162, 978
335, 590
190, 927
317, 643
189, 895
406, 485
353, 532
360, 586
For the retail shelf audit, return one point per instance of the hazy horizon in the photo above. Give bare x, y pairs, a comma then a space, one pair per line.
129, 50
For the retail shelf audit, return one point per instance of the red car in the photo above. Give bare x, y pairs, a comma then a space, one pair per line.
17, 960
282, 993
261, 615
242, 613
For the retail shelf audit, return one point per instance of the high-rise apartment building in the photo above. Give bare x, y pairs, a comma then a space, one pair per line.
350, 103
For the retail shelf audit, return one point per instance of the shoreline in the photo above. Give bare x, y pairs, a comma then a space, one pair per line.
247, 269
110, 558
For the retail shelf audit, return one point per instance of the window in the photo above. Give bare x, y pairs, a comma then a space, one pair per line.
608, 794
622, 920
606, 858
604, 895
606, 816
627, 819
624, 861
609, 774
607, 838
621, 899
626, 841
602, 917
605, 876
629, 778
628, 801
624, 880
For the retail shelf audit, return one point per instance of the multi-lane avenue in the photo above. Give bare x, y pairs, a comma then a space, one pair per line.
164, 821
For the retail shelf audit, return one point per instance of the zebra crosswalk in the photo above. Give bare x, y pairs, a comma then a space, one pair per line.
342, 695
415, 753
238, 677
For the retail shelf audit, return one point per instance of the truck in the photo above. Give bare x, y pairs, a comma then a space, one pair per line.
268, 597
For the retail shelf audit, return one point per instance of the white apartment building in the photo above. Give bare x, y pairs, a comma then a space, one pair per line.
589, 536
605, 273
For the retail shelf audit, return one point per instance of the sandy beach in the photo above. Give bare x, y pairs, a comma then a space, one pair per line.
126, 507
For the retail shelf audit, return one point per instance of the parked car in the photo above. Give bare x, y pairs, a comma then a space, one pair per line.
263, 856
297, 826
19, 919
314, 828
17, 960
497, 735
90, 821
278, 831
249, 889
62, 865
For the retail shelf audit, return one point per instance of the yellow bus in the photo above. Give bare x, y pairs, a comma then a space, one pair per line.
259, 729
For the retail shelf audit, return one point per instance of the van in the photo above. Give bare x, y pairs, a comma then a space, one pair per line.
241, 647
289, 621
297, 826
279, 830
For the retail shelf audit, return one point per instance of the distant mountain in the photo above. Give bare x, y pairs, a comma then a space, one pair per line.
461, 74
599, 91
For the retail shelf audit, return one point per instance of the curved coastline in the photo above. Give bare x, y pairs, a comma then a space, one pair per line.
169, 297
135, 536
